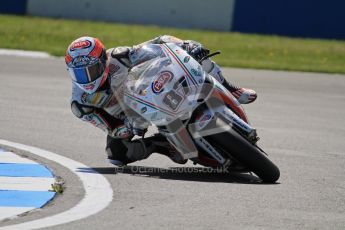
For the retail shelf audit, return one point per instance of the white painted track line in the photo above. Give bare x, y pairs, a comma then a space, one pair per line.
98, 192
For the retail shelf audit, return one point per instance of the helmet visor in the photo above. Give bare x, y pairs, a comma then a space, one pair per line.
84, 75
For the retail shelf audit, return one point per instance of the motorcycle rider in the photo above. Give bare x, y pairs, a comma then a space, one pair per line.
94, 69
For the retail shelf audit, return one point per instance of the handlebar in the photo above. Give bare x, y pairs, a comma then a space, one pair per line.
209, 55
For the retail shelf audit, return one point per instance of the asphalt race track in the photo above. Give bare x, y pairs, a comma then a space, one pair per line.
299, 117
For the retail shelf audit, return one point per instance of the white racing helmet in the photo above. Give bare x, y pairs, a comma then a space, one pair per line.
86, 63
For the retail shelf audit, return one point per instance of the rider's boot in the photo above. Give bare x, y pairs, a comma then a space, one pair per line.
243, 95
122, 152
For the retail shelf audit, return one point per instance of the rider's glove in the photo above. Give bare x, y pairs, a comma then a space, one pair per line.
196, 50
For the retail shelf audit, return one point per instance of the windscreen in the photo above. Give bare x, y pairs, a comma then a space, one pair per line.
149, 61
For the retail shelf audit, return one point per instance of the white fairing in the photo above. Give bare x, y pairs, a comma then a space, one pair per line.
164, 85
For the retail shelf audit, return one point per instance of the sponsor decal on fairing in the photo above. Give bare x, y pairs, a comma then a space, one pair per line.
143, 109
203, 120
158, 84
172, 100
197, 72
186, 59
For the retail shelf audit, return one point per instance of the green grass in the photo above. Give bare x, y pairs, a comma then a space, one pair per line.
238, 50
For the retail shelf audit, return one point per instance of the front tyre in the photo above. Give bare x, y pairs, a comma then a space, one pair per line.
241, 150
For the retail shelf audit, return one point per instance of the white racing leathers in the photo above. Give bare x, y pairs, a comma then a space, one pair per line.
103, 108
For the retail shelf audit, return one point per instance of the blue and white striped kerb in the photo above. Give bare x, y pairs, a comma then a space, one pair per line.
24, 185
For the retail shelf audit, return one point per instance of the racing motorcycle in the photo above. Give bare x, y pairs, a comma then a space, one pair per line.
197, 115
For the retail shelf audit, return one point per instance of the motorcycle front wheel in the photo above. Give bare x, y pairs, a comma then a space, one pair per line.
238, 148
